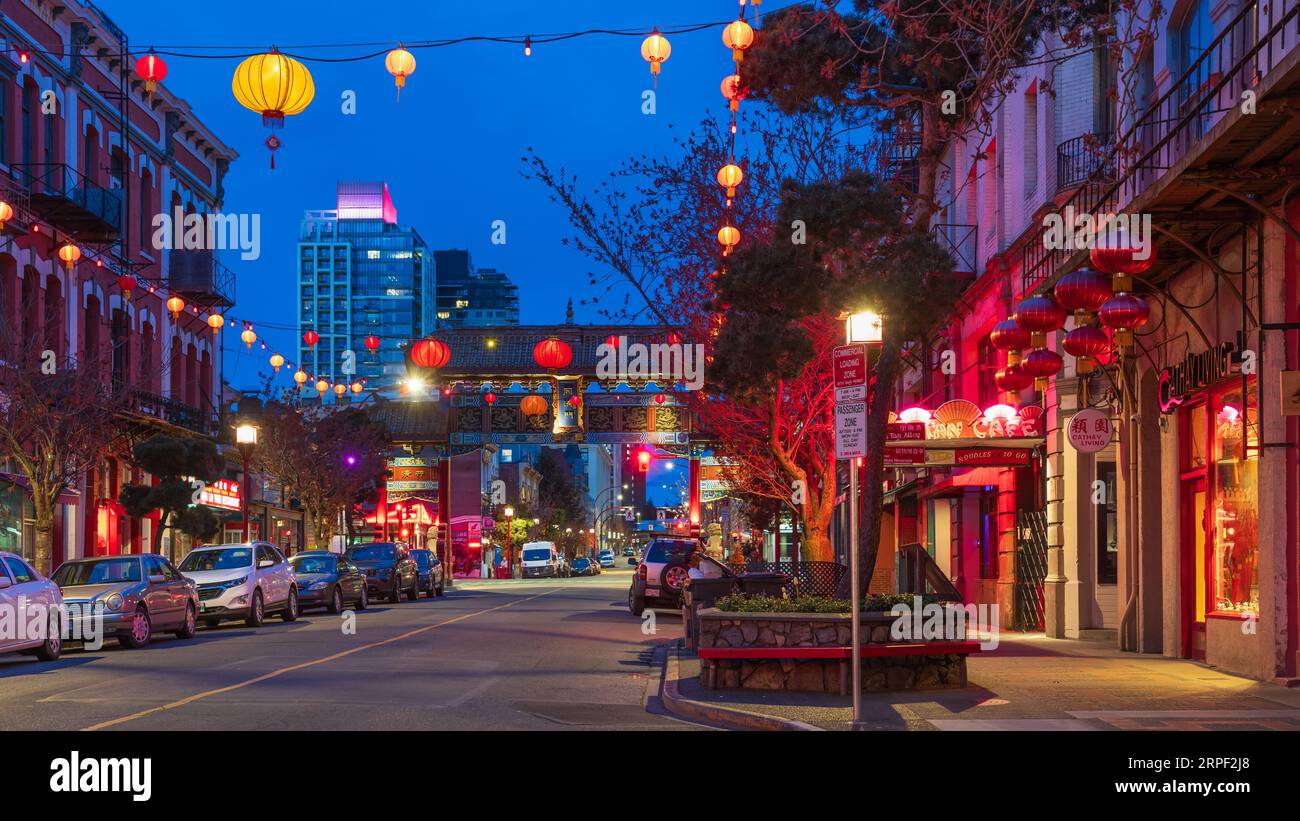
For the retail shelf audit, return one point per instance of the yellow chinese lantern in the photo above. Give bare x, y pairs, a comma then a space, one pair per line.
322, 385
69, 253
729, 177
277, 362
340, 389
656, 50
729, 236
274, 86
300, 377
401, 64
248, 336
738, 36
357, 387
6, 213
174, 307
735, 90
215, 322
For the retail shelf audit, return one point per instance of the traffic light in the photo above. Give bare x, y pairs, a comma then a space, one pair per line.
643, 460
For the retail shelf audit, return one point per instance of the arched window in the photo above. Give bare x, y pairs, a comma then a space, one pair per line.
120, 327
91, 169
54, 316
91, 353
146, 212
147, 341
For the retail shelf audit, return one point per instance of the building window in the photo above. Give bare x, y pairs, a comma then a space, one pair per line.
989, 534
988, 367
1107, 527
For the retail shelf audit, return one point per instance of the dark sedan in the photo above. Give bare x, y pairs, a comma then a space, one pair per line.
430, 571
330, 581
389, 569
582, 566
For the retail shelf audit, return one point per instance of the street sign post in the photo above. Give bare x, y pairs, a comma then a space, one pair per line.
850, 363
851, 367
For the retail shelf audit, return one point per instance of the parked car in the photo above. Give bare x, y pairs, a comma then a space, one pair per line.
328, 580
133, 595
242, 581
541, 560
632, 561
629, 551
20, 584
582, 566
389, 569
606, 558
660, 575
430, 571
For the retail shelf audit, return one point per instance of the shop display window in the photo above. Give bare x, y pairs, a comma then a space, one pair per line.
1234, 436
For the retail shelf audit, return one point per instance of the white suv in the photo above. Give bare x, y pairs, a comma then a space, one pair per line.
31, 605
242, 581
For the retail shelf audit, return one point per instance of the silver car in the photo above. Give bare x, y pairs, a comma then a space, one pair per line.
134, 595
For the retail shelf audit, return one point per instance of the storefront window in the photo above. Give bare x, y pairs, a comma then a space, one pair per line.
1196, 438
1107, 527
1235, 569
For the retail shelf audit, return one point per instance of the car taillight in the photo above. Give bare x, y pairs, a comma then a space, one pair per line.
641, 571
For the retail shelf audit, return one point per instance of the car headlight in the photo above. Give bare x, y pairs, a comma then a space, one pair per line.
112, 602
233, 583
317, 585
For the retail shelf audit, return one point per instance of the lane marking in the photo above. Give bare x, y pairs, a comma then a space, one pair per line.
283, 670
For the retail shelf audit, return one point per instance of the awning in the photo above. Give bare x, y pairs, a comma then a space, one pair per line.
959, 484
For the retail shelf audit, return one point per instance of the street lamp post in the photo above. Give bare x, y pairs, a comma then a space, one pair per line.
246, 439
510, 540
862, 327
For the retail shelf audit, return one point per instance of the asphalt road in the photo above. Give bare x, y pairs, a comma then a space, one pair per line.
512, 655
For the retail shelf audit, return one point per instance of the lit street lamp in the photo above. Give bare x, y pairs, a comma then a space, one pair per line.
246, 439
864, 327
510, 542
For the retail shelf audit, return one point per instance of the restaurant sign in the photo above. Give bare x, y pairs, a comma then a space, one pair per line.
916, 437
1197, 372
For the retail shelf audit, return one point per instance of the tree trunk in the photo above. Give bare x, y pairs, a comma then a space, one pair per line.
873, 492
44, 545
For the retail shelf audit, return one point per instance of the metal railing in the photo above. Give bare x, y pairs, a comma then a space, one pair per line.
962, 242
1251, 45
63, 182
170, 411
1080, 158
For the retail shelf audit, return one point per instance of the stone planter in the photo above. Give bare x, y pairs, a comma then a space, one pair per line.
775, 630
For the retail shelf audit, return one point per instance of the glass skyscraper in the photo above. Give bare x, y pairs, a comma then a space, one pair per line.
362, 274
469, 298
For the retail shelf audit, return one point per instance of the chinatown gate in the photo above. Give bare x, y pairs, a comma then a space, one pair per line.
518, 385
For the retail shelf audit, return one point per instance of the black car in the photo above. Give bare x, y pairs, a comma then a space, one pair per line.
582, 566
432, 578
389, 569
330, 581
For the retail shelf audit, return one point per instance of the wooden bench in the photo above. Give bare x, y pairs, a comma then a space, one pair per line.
711, 655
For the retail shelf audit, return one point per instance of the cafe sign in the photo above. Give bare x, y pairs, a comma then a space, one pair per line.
1197, 372
962, 419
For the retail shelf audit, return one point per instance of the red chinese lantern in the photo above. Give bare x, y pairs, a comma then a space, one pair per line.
430, 353
126, 284
1040, 315
1116, 253
533, 405
152, 70
575, 401
660, 398
1083, 291
1123, 313
1085, 343
372, 343
1012, 379
552, 354
69, 253
310, 339
490, 398
1007, 335
735, 90
1041, 363
612, 341
738, 36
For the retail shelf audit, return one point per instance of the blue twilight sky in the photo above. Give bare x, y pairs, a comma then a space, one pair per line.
451, 150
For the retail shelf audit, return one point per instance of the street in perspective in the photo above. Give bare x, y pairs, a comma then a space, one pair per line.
700, 366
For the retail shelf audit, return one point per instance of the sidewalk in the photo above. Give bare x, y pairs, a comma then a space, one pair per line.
1029, 683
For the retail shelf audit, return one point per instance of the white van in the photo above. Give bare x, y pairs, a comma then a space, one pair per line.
541, 560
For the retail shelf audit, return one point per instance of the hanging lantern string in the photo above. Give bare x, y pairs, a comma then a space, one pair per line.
239, 52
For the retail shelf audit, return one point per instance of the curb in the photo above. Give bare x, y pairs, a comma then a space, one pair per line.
729, 718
